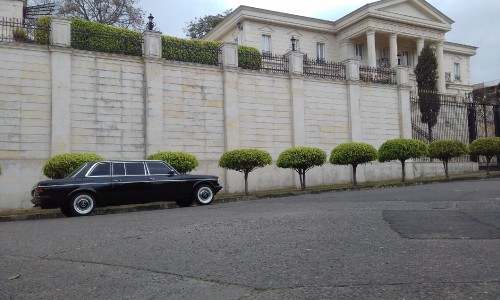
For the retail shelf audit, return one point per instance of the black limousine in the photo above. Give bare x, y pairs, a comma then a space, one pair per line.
123, 182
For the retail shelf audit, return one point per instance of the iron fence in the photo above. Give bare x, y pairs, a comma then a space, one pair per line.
377, 75
274, 63
324, 69
20, 30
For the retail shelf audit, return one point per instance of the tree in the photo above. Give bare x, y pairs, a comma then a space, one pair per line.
301, 159
487, 147
445, 150
245, 161
428, 98
401, 149
353, 154
181, 161
198, 27
120, 13
61, 165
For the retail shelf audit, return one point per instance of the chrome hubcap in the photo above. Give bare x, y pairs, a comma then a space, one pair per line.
205, 195
83, 204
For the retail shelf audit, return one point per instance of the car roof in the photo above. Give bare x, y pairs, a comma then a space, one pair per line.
131, 160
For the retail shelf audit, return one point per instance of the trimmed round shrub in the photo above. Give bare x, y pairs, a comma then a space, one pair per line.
301, 159
249, 58
61, 165
487, 147
181, 161
245, 161
445, 150
401, 149
354, 154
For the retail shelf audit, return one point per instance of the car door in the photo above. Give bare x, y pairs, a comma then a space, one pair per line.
166, 183
98, 179
130, 184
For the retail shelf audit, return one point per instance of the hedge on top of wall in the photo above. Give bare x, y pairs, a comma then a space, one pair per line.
249, 58
94, 36
42, 32
195, 51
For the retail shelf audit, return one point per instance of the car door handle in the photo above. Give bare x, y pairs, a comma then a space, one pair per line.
117, 180
152, 178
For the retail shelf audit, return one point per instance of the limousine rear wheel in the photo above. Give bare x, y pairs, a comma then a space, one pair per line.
203, 194
82, 204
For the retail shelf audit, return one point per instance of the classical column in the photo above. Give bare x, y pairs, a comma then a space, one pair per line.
393, 50
370, 43
440, 61
60, 57
420, 46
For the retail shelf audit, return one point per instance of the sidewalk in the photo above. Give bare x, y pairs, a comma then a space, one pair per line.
39, 214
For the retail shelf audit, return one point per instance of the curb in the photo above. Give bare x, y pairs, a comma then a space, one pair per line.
54, 213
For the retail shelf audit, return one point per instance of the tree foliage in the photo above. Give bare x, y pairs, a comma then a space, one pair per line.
120, 13
301, 159
401, 149
445, 150
200, 26
181, 161
61, 165
487, 147
426, 72
354, 154
245, 161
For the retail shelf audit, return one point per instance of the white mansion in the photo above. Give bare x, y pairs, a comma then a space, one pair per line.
380, 34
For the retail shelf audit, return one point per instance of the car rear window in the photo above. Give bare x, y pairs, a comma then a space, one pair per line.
158, 168
101, 169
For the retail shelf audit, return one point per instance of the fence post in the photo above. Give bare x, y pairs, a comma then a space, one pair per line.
60, 59
351, 69
403, 81
153, 96
230, 55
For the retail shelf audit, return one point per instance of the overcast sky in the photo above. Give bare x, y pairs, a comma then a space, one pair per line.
477, 22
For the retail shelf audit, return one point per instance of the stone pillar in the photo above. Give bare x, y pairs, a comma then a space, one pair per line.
370, 43
420, 46
346, 50
354, 108
403, 80
60, 59
440, 60
393, 50
295, 64
230, 55
153, 86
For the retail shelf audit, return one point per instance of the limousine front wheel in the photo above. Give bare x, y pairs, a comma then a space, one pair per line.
82, 204
203, 194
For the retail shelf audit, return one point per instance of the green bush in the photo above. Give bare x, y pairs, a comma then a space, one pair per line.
1, 170
181, 161
445, 150
487, 147
94, 36
195, 51
245, 161
301, 159
401, 149
353, 154
249, 58
61, 165
42, 32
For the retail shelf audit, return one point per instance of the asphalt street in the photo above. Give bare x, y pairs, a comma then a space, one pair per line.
435, 241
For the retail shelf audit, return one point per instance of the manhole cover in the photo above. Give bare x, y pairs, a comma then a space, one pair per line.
444, 224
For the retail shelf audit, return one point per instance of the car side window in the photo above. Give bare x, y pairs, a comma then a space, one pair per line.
158, 168
118, 169
101, 169
134, 168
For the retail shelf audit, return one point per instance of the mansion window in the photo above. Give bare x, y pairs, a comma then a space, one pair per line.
266, 44
405, 59
456, 71
320, 51
359, 51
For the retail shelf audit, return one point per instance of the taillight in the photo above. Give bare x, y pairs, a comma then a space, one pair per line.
38, 191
